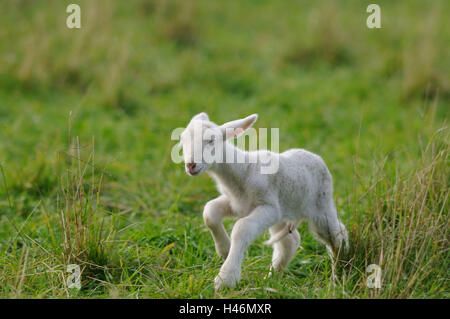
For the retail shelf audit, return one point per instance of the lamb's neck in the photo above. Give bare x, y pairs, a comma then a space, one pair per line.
231, 174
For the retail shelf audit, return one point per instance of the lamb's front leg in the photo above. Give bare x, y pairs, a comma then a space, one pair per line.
244, 232
213, 214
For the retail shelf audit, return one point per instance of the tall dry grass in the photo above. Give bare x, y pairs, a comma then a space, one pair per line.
403, 226
87, 228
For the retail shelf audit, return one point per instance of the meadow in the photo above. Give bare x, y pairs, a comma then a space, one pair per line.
86, 117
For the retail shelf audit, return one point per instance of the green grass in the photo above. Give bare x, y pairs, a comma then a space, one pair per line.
86, 117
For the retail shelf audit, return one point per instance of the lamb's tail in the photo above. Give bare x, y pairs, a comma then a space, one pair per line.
289, 228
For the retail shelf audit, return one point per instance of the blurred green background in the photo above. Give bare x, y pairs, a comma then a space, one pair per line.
138, 69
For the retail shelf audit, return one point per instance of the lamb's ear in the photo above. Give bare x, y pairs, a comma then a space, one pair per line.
201, 116
237, 127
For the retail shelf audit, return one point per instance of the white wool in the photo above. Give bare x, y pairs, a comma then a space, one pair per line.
301, 190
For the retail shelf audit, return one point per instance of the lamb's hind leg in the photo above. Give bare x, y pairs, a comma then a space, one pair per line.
213, 214
328, 229
284, 250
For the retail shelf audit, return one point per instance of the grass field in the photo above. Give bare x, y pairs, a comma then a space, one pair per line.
85, 122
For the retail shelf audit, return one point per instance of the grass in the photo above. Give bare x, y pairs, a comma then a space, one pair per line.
86, 117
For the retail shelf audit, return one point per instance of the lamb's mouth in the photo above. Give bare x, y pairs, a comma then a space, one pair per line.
194, 173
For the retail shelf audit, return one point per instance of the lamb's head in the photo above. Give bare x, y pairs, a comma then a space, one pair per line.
203, 141
199, 137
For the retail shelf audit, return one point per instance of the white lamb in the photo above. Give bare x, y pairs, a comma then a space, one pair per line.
300, 190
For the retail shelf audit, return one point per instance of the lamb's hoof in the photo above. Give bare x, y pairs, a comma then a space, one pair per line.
269, 275
277, 267
227, 279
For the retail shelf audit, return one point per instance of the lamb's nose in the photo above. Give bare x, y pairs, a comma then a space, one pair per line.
191, 166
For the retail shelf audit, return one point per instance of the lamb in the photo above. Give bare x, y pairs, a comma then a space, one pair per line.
300, 190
